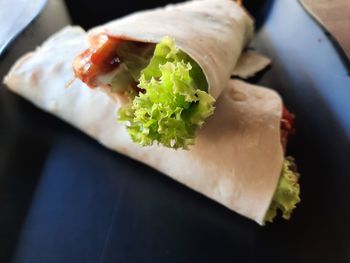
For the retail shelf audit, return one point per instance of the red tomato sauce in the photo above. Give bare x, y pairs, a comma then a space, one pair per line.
287, 126
101, 57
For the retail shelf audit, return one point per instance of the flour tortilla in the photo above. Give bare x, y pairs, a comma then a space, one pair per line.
237, 157
212, 32
249, 64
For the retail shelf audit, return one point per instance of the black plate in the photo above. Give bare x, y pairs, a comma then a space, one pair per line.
65, 198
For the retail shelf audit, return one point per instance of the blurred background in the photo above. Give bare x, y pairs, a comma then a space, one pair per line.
87, 14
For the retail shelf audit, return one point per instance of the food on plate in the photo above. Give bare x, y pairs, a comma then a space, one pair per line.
238, 159
166, 66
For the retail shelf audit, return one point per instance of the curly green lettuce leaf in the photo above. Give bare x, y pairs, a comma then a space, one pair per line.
174, 103
287, 192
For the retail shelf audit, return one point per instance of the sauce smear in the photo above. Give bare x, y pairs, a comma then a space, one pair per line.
100, 58
287, 126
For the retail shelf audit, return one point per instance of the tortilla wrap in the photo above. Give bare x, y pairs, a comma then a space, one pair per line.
212, 32
238, 156
249, 64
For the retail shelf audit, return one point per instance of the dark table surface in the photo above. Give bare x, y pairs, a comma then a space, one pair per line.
65, 198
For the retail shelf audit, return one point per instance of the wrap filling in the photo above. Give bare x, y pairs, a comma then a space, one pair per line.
164, 92
287, 193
